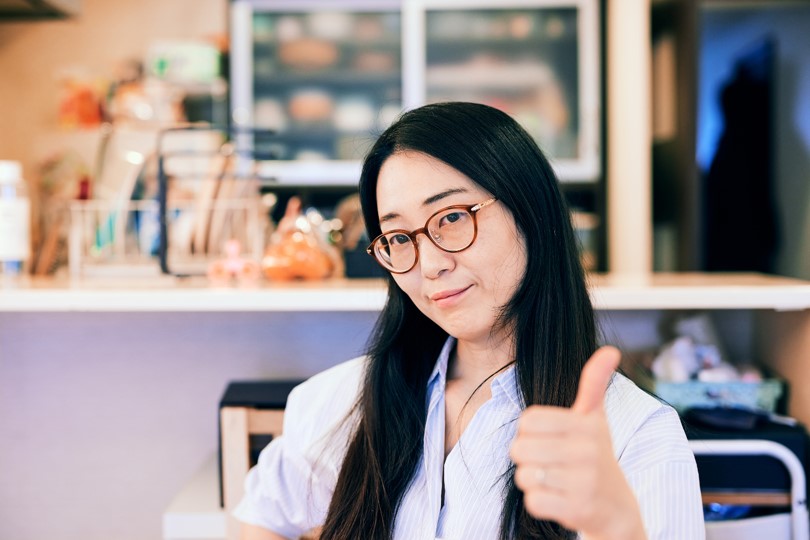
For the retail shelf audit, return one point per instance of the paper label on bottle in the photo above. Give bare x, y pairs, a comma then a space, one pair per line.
15, 215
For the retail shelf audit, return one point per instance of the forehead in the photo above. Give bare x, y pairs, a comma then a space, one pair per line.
408, 179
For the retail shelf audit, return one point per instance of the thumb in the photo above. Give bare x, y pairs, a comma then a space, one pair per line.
595, 377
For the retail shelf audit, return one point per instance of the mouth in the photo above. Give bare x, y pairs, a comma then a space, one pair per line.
450, 296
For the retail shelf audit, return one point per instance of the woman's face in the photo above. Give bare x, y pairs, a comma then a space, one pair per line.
461, 292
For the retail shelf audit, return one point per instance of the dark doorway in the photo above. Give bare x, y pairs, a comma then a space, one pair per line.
739, 214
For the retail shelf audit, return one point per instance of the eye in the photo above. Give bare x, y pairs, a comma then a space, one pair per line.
398, 239
450, 218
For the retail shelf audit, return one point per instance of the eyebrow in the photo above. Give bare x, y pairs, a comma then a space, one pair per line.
430, 200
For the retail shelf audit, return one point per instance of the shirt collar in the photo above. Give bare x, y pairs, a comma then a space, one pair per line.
440, 369
505, 384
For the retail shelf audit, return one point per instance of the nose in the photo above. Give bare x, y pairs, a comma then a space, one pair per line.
433, 261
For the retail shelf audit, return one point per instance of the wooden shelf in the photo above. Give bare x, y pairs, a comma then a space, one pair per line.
699, 291
191, 295
746, 498
608, 291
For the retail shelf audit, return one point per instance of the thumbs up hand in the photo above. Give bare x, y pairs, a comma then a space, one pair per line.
565, 463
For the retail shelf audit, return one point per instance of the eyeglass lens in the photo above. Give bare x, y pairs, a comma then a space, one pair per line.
451, 229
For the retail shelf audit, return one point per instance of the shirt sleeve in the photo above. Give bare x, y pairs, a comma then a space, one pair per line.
660, 468
281, 491
289, 489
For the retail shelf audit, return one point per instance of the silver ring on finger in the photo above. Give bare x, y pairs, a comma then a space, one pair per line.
540, 475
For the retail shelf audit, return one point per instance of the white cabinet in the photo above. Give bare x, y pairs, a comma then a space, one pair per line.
330, 78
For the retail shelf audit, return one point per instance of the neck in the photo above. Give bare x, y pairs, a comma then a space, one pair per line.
474, 362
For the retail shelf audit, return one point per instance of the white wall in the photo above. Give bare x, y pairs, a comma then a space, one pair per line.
105, 416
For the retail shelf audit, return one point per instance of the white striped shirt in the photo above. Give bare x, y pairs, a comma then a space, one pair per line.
289, 490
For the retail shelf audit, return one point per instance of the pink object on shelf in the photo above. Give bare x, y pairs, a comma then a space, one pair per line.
233, 267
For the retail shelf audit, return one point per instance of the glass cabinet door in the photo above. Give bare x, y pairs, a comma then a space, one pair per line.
325, 80
329, 76
527, 58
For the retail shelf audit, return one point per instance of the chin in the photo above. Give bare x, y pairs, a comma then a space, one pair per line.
466, 332
459, 324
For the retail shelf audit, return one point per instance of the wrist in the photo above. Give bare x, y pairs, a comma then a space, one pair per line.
620, 529
624, 523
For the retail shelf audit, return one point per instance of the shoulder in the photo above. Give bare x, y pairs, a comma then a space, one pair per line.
636, 417
652, 450
321, 408
334, 387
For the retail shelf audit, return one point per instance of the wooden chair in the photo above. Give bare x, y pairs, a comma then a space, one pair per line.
247, 409
237, 424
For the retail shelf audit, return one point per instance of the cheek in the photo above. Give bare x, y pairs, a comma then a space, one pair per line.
509, 271
408, 285
515, 261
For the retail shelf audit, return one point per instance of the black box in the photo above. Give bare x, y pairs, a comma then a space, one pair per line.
752, 472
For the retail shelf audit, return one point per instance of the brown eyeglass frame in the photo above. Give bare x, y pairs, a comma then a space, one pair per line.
472, 209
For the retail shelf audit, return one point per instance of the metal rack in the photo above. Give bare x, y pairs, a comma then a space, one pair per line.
221, 172
780, 526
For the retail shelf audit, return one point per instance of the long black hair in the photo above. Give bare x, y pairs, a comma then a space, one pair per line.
550, 314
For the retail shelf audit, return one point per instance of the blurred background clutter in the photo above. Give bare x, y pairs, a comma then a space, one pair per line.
693, 367
293, 97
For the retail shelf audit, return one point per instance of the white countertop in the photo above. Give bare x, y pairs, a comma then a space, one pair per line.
608, 291
191, 294
194, 513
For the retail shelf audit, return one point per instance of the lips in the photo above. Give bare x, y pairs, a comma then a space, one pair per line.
448, 295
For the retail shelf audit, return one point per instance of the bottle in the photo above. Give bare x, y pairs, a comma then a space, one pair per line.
15, 220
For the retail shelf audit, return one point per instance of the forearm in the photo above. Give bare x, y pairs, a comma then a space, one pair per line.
622, 529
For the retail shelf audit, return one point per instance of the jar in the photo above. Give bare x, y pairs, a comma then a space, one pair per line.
15, 220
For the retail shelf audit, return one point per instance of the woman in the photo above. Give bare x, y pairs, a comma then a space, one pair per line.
429, 435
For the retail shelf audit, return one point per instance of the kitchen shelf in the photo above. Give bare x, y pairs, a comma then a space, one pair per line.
336, 78
267, 45
608, 292
318, 133
699, 291
513, 78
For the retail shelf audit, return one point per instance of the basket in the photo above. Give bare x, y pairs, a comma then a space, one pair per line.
762, 395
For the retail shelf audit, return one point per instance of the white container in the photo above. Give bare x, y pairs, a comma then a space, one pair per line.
15, 220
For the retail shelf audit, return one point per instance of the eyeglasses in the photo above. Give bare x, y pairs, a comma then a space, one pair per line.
451, 229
